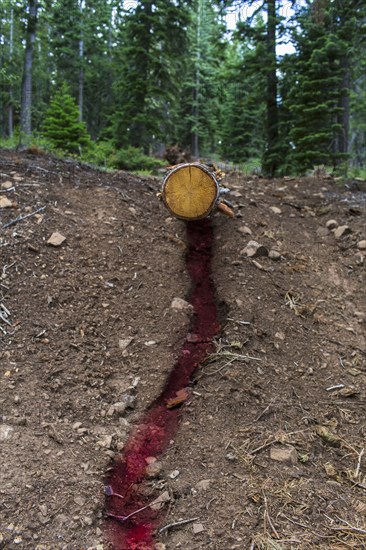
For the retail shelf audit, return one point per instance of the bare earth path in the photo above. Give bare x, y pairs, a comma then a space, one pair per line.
270, 449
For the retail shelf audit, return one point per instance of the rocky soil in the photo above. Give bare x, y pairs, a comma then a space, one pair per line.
270, 449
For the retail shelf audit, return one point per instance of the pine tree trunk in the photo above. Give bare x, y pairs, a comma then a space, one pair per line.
81, 79
344, 115
196, 90
26, 99
11, 98
270, 161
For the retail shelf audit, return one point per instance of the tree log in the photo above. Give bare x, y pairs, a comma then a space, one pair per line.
190, 191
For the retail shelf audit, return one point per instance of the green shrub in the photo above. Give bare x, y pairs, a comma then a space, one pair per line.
99, 153
133, 159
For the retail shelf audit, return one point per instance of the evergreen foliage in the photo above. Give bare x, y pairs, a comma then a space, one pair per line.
243, 125
320, 84
164, 72
150, 58
198, 119
62, 126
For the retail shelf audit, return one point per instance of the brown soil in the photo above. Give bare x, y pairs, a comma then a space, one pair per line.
89, 324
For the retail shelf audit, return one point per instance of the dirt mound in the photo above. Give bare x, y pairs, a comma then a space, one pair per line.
269, 452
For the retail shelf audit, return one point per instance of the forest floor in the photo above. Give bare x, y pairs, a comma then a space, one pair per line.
269, 453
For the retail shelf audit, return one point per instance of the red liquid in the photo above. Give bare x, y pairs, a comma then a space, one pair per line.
158, 425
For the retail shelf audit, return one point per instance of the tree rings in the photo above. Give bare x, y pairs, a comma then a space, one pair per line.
190, 191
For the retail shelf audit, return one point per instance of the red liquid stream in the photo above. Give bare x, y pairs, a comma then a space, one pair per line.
151, 437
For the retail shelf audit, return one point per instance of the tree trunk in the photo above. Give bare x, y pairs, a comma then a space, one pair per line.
81, 79
11, 98
344, 116
26, 99
196, 90
270, 161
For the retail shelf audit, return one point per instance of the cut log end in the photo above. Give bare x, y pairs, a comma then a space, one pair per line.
190, 191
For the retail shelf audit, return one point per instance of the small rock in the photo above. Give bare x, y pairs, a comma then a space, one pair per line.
105, 442
56, 239
342, 231
80, 501
6, 185
87, 520
5, 432
82, 431
18, 540
360, 258
174, 474
197, 528
77, 425
151, 343
322, 231
254, 250
159, 502
275, 210
159, 546
5, 202
245, 230
181, 305
44, 509
331, 224
123, 343
110, 411
361, 245
274, 255
284, 454
348, 391
153, 469
132, 210
203, 485
127, 402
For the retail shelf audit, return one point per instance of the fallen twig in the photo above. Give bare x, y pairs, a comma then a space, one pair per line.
357, 470
4, 319
125, 518
21, 218
345, 526
267, 517
176, 524
349, 525
254, 451
238, 322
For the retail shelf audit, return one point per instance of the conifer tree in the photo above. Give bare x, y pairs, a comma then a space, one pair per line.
26, 97
318, 100
197, 125
150, 56
62, 126
244, 111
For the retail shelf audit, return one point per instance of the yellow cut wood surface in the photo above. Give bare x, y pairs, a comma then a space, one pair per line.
190, 191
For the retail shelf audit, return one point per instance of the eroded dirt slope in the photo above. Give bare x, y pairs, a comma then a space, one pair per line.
269, 453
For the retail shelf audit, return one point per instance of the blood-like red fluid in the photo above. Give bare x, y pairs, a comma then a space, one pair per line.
158, 425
